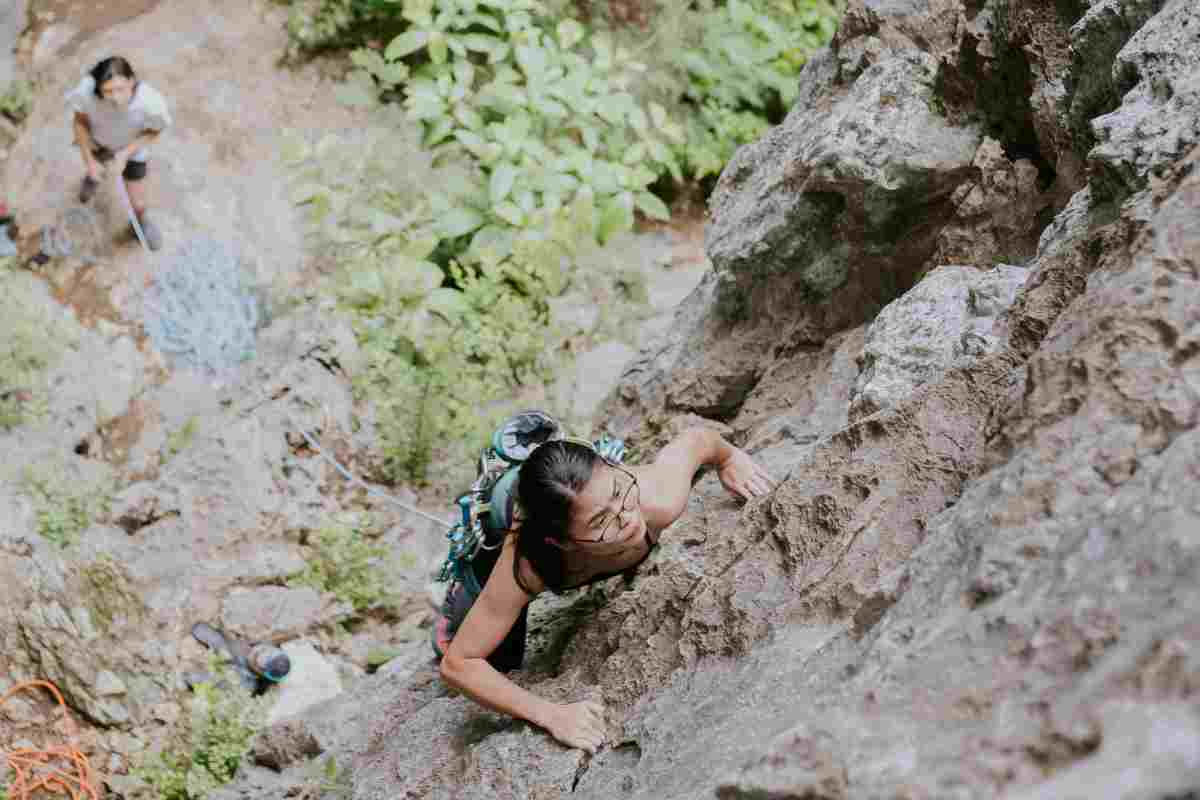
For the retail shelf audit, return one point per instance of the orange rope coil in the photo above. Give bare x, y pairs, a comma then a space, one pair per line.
34, 770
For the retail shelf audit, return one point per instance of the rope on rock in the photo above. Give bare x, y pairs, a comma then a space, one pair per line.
356, 481
37, 770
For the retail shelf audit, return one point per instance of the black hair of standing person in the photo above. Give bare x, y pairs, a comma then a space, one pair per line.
109, 68
549, 481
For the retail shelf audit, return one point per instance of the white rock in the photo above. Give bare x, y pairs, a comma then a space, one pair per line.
312, 679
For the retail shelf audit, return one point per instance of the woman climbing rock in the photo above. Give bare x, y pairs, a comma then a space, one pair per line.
577, 518
117, 118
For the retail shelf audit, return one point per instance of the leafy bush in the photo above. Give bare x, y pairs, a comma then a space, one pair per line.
448, 335
343, 562
17, 100
730, 69
64, 508
315, 25
223, 720
543, 109
30, 344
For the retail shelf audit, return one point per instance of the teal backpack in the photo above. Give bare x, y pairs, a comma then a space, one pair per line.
486, 508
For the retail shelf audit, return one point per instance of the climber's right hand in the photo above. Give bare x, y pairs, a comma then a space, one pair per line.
579, 725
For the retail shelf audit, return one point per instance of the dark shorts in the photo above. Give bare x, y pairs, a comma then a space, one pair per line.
134, 170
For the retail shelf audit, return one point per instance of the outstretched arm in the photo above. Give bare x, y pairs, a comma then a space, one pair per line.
667, 482
465, 666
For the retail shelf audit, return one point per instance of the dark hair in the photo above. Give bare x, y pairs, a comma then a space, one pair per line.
547, 485
109, 68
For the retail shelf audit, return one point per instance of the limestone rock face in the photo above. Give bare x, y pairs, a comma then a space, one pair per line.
948, 316
1158, 122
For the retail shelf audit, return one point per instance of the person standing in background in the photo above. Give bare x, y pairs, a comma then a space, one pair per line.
116, 119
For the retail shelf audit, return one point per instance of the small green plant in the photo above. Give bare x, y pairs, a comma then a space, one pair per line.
224, 719
326, 781
64, 508
30, 345
180, 439
109, 591
17, 100
344, 563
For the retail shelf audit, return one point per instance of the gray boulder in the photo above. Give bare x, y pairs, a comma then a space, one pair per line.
949, 315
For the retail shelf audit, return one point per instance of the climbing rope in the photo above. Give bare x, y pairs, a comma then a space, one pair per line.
371, 490
34, 770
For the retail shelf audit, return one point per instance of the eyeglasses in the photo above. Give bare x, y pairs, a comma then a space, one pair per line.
629, 501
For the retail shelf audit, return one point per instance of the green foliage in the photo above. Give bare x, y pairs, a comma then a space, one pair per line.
315, 25
326, 780
542, 107
445, 331
714, 132
223, 720
108, 591
180, 439
30, 344
344, 563
65, 507
733, 68
17, 100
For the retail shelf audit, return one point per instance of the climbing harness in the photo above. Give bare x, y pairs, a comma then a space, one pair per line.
487, 505
35, 771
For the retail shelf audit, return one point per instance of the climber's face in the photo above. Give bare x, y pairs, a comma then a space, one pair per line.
118, 91
607, 510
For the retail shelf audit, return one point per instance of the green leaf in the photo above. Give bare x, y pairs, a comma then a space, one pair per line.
459, 222
480, 42
441, 128
493, 238
503, 176
438, 50
650, 205
614, 218
405, 44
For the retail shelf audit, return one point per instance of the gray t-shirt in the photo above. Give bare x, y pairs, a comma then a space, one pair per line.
114, 127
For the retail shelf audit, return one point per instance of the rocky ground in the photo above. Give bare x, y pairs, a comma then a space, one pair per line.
952, 307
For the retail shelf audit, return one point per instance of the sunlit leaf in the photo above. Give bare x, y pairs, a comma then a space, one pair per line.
459, 222
650, 205
405, 44
503, 176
